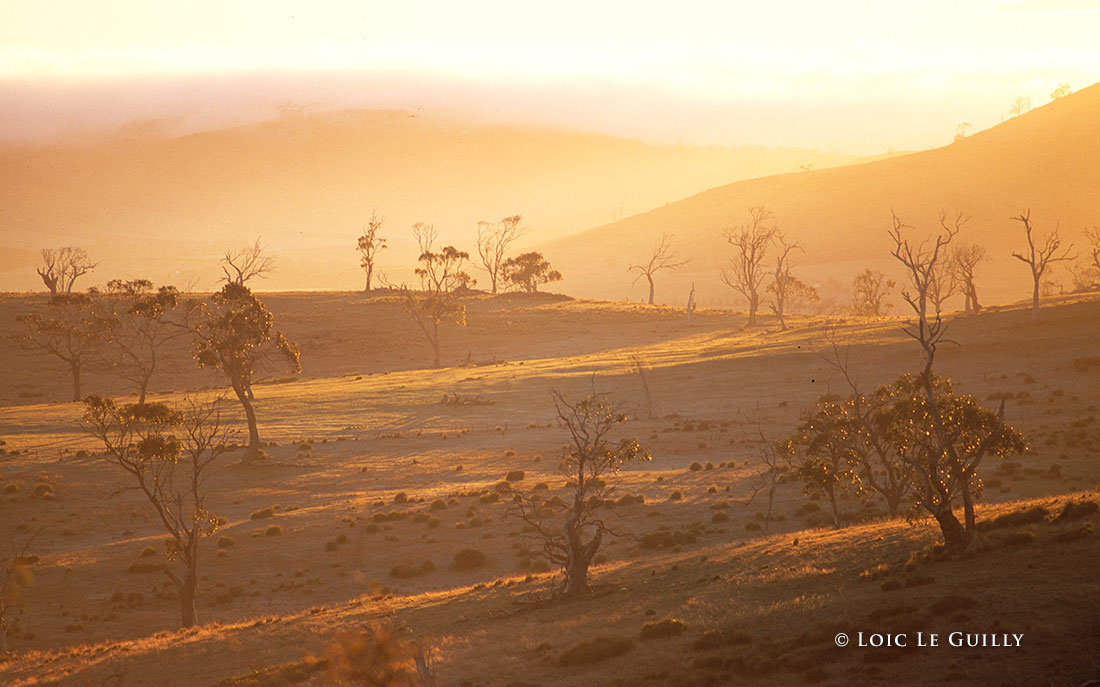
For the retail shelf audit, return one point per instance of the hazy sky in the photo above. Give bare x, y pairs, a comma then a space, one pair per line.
858, 75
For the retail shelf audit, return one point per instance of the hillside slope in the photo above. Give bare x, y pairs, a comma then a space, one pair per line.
145, 203
1045, 160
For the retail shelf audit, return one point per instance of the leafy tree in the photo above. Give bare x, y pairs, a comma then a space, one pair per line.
234, 334
1061, 91
1039, 257
571, 533
493, 241
70, 328
61, 267
370, 244
528, 270
143, 322
746, 272
662, 257
869, 292
169, 454
942, 438
442, 273
822, 442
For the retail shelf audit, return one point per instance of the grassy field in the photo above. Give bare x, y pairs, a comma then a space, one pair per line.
373, 466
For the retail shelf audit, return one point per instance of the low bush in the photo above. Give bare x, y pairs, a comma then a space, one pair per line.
596, 650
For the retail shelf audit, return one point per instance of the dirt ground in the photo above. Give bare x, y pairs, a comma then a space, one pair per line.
313, 534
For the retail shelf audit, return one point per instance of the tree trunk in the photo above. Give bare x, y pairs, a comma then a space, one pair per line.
187, 595
75, 367
578, 554
1035, 301
3, 636
253, 451
650, 288
968, 506
955, 537
836, 510
752, 310
143, 389
435, 345
369, 275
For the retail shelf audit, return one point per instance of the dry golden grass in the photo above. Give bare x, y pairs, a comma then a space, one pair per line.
272, 600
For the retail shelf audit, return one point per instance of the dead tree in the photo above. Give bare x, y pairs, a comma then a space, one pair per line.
169, 454
493, 241
691, 303
945, 435
246, 264
369, 245
783, 282
776, 457
61, 267
662, 257
964, 259
1039, 257
570, 535
746, 271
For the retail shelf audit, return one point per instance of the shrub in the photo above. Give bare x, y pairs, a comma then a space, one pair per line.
491, 497
468, 559
273, 531
596, 650
1075, 510
716, 639
949, 604
695, 466
1017, 518
43, 490
630, 500
11, 488
224, 542
541, 486
719, 516
515, 476
262, 513
438, 504
148, 551
675, 496
405, 571
1020, 537
659, 629
400, 497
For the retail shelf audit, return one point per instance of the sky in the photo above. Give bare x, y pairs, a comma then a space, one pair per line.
862, 76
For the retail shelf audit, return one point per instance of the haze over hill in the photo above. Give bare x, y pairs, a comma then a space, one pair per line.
1044, 160
148, 204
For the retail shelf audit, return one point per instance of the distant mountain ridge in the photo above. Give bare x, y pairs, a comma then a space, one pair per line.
167, 206
1046, 160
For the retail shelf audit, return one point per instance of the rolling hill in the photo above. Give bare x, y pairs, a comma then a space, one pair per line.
1045, 160
148, 203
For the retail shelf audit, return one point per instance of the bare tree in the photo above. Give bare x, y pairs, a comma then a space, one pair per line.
144, 322
746, 271
869, 291
641, 367
965, 257
1039, 257
493, 241
923, 263
589, 458
170, 470
691, 303
61, 267
370, 244
662, 257
246, 264
783, 281
1086, 276
70, 328
962, 130
1019, 106
776, 457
